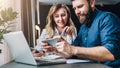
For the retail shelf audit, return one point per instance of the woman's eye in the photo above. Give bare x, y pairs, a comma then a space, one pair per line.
63, 15
56, 16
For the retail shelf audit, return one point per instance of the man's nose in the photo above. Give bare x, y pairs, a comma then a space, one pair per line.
77, 11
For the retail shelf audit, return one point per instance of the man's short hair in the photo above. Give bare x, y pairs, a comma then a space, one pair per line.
87, 0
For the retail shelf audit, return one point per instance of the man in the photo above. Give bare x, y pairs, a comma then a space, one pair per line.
98, 38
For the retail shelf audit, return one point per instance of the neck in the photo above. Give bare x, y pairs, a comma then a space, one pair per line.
93, 9
60, 29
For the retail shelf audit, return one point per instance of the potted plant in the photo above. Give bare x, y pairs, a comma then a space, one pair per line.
6, 21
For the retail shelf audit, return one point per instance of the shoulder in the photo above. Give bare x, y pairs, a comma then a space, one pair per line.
108, 20
43, 32
102, 15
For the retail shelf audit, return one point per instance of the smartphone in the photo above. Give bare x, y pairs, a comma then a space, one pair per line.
51, 42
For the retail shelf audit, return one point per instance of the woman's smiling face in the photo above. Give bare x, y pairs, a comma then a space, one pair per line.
60, 17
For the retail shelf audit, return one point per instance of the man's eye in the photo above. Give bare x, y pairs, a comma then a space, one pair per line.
80, 6
74, 8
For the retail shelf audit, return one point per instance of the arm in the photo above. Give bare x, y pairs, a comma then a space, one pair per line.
109, 32
38, 51
71, 37
41, 37
99, 53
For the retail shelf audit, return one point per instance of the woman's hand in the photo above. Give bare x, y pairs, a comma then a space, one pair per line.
68, 30
37, 54
48, 48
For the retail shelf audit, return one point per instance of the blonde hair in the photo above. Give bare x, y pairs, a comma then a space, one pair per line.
50, 21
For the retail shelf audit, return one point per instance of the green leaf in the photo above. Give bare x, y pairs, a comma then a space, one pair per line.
7, 15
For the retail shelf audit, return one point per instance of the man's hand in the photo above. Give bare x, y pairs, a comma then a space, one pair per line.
64, 48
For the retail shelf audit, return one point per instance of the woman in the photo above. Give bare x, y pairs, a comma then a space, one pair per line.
59, 23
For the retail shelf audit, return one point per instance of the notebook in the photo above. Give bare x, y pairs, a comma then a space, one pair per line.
21, 52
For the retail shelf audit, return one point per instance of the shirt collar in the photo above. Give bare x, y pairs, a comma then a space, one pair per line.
56, 31
91, 18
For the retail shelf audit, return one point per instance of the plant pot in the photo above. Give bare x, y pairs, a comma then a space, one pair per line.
5, 55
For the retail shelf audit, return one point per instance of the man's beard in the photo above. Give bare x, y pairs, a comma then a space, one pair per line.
87, 16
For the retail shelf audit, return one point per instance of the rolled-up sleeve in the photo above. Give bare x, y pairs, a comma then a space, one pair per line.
110, 34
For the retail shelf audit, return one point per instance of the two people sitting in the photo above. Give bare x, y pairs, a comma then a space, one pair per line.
98, 38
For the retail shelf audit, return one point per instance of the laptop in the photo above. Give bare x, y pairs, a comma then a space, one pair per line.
21, 51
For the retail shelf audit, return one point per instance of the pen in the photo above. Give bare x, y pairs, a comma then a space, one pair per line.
64, 32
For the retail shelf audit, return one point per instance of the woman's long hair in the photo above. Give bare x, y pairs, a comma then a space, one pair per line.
50, 21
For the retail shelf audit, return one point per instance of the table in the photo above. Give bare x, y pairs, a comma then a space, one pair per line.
75, 65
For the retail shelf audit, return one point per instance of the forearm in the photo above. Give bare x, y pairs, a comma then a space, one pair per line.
95, 53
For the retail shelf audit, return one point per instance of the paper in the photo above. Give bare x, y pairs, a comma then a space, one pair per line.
51, 58
69, 61
48, 57
58, 58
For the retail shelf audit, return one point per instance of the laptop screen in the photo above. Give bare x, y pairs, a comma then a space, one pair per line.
19, 47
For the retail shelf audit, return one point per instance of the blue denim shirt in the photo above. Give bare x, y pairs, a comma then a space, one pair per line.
104, 30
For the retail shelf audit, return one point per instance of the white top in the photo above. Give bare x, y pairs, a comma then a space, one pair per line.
44, 35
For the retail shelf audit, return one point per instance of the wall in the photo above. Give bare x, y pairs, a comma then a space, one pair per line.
16, 5
44, 8
115, 8
5, 56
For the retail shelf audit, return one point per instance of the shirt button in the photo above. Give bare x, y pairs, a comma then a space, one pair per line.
85, 39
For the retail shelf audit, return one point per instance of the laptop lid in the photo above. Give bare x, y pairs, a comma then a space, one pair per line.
19, 47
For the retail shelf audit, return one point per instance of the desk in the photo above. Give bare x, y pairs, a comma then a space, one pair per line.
77, 65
